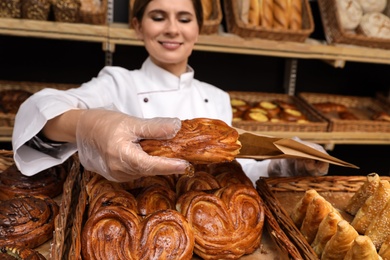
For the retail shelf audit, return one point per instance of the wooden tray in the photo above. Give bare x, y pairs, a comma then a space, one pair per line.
315, 124
236, 26
335, 34
362, 107
281, 195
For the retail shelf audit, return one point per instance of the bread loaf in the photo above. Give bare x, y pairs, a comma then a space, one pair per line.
288, 14
207, 6
375, 25
372, 6
266, 13
254, 13
349, 13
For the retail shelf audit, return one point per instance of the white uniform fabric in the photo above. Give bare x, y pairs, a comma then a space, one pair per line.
146, 93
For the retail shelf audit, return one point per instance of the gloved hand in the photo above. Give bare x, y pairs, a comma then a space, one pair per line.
107, 143
298, 167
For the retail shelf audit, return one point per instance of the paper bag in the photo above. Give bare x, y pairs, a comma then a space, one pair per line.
257, 146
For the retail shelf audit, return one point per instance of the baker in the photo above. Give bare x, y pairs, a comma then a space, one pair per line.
104, 118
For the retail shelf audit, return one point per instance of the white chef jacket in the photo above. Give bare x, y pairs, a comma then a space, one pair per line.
148, 92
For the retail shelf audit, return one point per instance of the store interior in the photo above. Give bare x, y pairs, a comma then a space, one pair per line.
74, 62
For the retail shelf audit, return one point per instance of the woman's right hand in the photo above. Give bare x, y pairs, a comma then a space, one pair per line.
107, 143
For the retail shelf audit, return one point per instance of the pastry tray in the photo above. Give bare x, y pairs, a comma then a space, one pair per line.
281, 194
362, 107
315, 122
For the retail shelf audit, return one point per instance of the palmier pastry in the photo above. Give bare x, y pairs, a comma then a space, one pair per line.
339, 244
116, 232
326, 230
155, 198
98, 184
48, 182
146, 181
19, 253
200, 140
200, 181
362, 249
372, 207
27, 221
363, 193
227, 224
317, 210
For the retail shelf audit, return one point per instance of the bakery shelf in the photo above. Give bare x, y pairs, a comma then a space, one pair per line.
120, 33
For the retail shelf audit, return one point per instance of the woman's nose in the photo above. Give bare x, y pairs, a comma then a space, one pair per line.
172, 26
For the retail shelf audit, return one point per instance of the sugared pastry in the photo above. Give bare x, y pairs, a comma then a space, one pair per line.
19, 253
317, 210
372, 207
379, 230
48, 182
363, 193
116, 232
326, 230
256, 114
200, 140
339, 244
362, 249
227, 223
27, 221
299, 211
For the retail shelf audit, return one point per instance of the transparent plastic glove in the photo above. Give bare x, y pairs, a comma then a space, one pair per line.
107, 143
298, 167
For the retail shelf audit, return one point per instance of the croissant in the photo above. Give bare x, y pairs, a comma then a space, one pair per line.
317, 210
19, 252
362, 249
363, 193
340, 242
299, 211
200, 141
27, 221
372, 207
227, 224
326, 230
48, 182
115, 232
379, 230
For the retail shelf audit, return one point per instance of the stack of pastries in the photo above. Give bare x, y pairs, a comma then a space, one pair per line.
332, 236
216, 214
267, 111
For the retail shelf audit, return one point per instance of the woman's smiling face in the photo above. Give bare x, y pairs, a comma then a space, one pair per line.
169, 30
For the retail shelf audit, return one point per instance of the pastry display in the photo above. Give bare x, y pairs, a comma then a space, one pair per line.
200, 140
227, 224
19, 253
48, 182
27, 221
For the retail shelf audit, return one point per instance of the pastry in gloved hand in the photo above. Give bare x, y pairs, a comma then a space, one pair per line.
298, 167
108, 144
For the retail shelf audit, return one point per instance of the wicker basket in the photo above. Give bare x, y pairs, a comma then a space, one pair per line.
236, 26
94, 16
281, 195
210, 26
315, 123
363, 107
335, 34
8, 119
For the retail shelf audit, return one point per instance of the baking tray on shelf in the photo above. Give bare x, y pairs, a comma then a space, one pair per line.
314, 123
363, 108
281, 194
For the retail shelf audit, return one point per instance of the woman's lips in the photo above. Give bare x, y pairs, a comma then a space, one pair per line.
170, 45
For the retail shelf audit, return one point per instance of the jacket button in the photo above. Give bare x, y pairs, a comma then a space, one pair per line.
146, 100
206, 100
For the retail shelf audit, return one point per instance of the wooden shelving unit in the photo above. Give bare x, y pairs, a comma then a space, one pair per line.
120, 33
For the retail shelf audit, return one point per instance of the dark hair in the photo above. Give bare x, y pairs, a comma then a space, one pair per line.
139, 7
